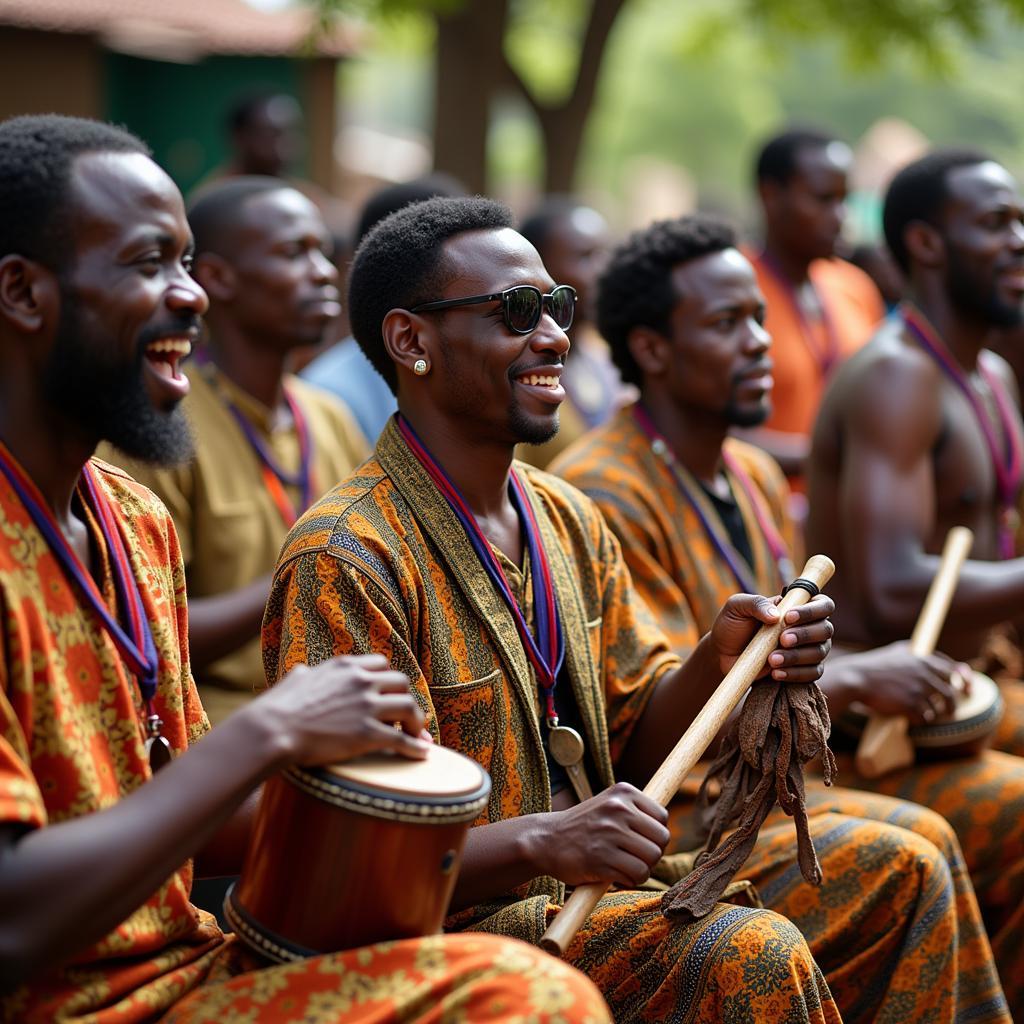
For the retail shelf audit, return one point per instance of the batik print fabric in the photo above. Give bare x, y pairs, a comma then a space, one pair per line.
684, 581
382, 564
71, 743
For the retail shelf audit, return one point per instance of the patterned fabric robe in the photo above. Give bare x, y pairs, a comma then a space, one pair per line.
71, 744
381, 564
684, 581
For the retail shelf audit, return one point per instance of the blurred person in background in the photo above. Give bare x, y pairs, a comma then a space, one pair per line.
573, 241
267, 443
343, 369
820, 308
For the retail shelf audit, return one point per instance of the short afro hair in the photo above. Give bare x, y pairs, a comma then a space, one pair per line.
400, 265
216, 209
636, 287
777, 159
919, 192
36, 156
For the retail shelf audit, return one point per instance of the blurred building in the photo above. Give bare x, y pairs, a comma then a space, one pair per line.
169, 71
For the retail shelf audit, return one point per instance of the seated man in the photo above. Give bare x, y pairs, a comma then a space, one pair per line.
96, 308
267, 443
699, 514
473, 574
921, 431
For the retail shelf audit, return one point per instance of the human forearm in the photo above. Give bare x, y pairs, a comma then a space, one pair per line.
676, 701
222, 623
116, 858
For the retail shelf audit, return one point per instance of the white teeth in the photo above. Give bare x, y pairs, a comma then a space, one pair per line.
536, 379
177, 346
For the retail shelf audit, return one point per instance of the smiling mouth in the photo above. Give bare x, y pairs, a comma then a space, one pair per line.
165, 355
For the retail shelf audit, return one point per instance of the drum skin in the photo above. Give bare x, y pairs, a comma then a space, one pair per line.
322, 878
967, 733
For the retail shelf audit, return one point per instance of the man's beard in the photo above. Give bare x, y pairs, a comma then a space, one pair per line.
108, 399
736, 416
528, 431
961, 284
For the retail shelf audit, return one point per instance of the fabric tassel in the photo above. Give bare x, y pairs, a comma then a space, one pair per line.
781, 727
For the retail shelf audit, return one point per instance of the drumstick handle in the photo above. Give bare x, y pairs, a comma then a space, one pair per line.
665, 782
885, 745
940, 593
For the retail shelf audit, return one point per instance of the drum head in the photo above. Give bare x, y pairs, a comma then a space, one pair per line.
444, 773
446, 786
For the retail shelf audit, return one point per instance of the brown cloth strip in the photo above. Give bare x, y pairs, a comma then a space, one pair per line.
781, 727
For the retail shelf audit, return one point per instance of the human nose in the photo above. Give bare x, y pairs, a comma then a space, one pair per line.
186, 294
549, 337
324, 271
757, 340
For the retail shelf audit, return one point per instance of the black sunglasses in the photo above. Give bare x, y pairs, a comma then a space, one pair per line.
521, 306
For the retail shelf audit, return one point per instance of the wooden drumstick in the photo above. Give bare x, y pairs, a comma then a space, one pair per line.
665, 782
885, 745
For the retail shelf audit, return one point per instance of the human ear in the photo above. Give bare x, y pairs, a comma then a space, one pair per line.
28, 292
407, 338
216, 277
925, 244
650, 351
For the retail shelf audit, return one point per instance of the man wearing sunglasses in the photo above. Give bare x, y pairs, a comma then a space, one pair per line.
502, 595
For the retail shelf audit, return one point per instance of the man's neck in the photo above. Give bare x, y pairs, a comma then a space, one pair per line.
695, 438
478, 468
257, 369
51, 451
792, 266
964, 336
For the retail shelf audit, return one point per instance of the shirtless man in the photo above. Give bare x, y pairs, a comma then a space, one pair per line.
920, 430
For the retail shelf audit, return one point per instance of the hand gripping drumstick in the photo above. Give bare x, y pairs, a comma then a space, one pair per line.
884, 745
698, 737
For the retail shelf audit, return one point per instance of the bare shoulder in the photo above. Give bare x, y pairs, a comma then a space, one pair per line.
890, 384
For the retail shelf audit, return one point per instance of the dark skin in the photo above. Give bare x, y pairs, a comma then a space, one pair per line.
129, 268
712, 368
899, 457
272, 290
803, 219
271, 139
463, 411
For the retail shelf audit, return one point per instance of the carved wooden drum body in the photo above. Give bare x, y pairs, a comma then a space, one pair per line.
967, 731
355, 853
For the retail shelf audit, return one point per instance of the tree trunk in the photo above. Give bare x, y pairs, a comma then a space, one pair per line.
468, 73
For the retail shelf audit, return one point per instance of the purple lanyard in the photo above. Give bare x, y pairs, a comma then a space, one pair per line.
547, 651
1008, 470
827, 358
303, 479
725, 550
136, 646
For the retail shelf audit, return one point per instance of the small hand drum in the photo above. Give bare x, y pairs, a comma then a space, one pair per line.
966, 732
356, 853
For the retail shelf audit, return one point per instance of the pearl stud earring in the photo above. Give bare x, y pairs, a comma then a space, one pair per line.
420, 367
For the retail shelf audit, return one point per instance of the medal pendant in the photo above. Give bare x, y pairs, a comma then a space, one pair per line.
566, 745
158, 750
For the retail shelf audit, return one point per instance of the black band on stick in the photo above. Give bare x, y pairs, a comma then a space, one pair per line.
802, 584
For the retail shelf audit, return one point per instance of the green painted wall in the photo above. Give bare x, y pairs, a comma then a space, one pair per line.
179, 109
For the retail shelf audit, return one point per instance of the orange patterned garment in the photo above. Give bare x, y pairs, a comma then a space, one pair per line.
71, 742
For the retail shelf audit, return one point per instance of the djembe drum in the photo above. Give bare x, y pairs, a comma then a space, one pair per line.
355, 853
964, 733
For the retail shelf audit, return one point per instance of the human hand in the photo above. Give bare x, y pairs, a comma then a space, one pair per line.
344, 707
891, 680
617, 836
803, 645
